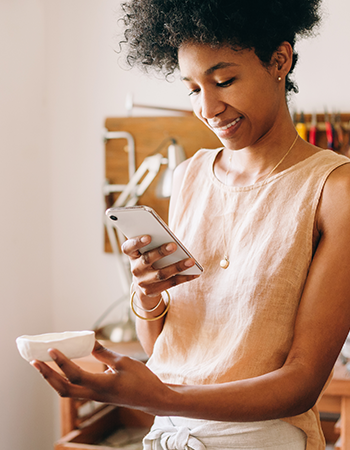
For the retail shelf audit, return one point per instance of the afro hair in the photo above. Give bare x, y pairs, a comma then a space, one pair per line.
155, 29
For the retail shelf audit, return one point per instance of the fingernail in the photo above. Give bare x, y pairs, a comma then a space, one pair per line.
189, 263
170, 247
52, 353
145, 239
35, 364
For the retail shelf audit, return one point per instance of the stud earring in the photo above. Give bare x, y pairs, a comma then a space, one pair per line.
279, 78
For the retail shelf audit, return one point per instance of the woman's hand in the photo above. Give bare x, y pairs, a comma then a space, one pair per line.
149, 282
127, 382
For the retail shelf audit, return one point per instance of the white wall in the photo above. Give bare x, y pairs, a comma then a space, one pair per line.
62, 80
322, 73
86, 85
26, 414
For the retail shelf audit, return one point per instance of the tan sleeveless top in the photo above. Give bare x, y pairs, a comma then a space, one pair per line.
238, 323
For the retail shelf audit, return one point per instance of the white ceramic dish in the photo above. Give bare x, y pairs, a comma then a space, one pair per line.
73, 344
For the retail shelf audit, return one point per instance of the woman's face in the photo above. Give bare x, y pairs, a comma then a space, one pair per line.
232, 93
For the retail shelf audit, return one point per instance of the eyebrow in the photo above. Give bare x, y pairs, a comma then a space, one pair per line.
218, 66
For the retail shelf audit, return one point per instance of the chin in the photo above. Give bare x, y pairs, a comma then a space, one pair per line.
235, 146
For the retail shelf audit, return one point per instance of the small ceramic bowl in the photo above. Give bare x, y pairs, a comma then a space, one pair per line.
73, 344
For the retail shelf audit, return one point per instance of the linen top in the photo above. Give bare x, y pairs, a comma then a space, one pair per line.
238, 323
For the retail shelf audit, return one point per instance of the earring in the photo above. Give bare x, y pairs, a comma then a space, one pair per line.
279, 78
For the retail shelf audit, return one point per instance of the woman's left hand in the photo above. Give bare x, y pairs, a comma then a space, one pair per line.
126, 382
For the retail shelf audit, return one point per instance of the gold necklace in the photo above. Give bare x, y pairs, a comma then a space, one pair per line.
225, 262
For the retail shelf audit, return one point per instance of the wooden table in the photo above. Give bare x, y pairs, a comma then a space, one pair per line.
336, 399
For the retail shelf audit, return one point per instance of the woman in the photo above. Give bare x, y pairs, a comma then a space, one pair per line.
243, 352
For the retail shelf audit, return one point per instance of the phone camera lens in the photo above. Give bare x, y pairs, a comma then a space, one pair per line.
113, 217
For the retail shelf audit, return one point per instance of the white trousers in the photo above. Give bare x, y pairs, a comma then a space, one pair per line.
180, 433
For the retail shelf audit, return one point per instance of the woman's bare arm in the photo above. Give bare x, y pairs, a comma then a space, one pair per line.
322, 324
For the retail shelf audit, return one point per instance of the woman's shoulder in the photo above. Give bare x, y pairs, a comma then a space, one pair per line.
334, 208
338, 181
190, 168
202, 157
318, 163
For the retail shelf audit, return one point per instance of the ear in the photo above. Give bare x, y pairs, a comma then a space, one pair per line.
282, 60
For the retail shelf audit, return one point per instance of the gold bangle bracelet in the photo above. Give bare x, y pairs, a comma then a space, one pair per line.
149, 319
148, 310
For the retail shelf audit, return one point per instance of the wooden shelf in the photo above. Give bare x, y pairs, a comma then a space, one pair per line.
93, 431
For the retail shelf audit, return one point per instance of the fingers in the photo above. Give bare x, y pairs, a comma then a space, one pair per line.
106, 356
74, 373
126, 382
148, 281
63, 386
145, 260
114, 361
131, 247
78, 383
152, 256
164, 280
154, 281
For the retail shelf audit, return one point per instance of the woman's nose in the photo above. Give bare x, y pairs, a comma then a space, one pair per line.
211, 105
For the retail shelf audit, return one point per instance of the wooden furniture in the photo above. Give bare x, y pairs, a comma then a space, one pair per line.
86, 424
336, 399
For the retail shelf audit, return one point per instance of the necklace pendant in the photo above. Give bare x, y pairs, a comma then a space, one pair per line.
224, 263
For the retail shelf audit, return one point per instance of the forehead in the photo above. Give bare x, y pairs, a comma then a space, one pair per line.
205, 59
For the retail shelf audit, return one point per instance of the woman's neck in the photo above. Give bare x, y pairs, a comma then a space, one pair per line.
250, 165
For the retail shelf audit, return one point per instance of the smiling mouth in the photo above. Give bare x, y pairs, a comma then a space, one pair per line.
229, 125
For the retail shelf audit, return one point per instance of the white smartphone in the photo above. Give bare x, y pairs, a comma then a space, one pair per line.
135, 221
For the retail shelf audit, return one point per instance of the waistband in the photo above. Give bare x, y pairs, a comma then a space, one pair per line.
181, 433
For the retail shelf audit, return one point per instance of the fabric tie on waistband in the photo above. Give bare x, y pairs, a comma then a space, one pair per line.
172, 438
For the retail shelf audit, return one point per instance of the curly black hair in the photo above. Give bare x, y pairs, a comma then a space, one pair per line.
155, 29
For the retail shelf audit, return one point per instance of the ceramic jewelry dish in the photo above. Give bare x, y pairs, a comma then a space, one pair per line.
73, 344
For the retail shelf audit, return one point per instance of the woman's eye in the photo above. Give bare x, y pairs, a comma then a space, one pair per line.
226, 83
193, 92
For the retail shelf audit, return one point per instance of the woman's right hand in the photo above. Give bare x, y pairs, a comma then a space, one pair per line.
149, 282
